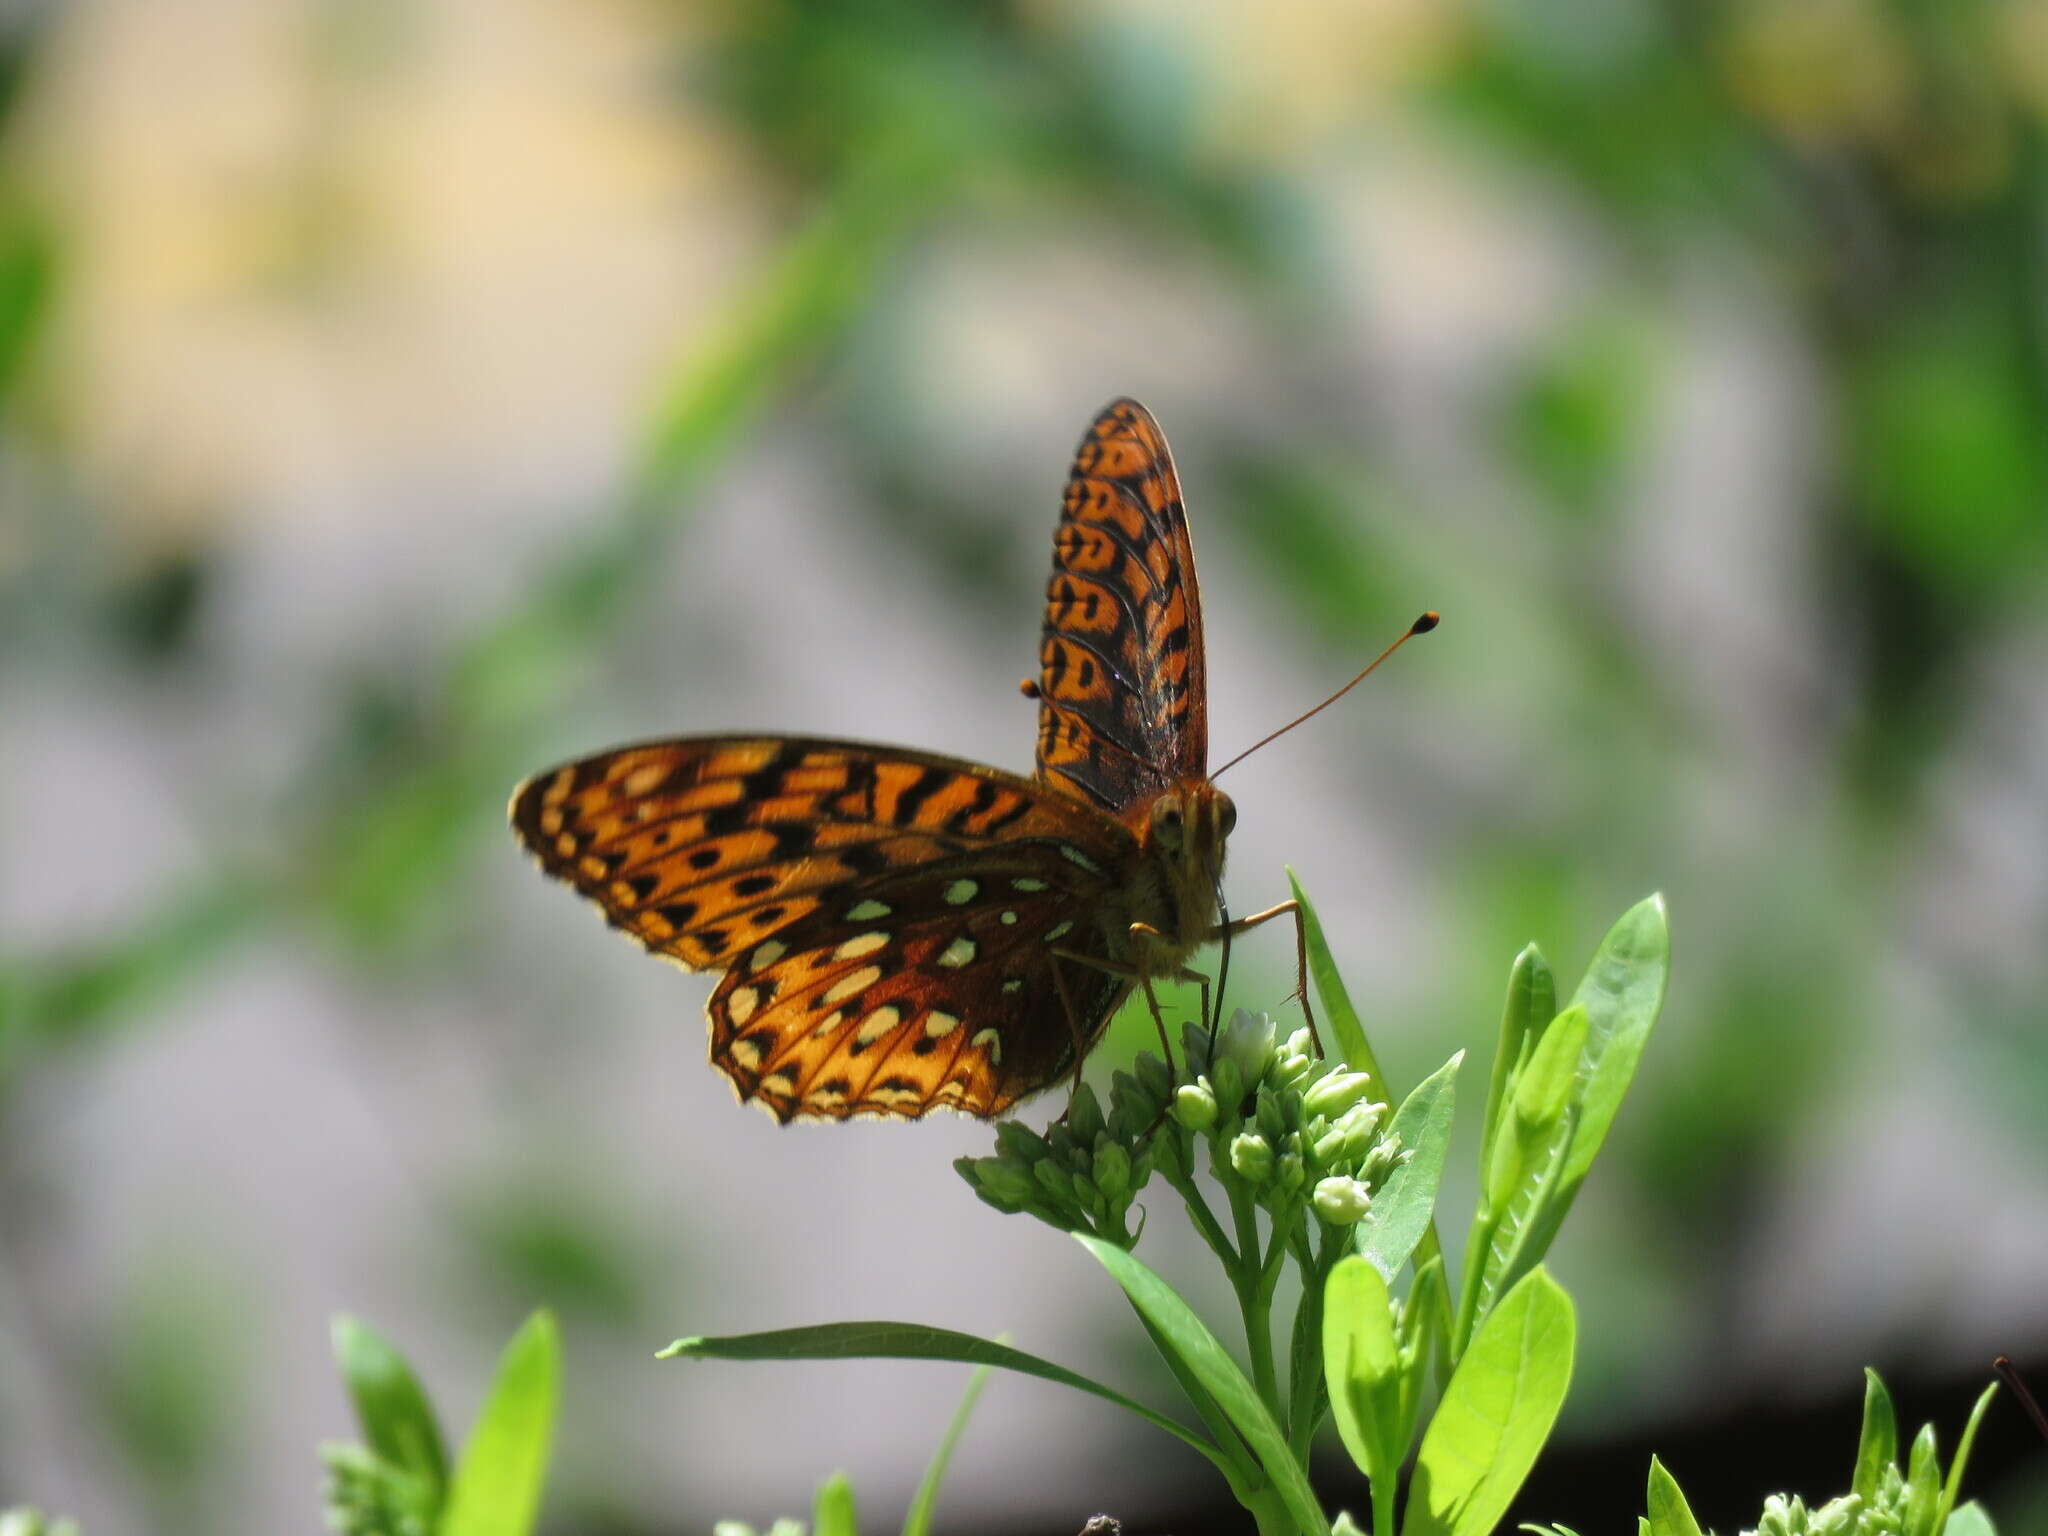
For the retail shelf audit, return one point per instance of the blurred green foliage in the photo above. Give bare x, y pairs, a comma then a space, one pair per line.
1878, 163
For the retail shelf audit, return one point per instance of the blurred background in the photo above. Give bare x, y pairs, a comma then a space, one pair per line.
398, 397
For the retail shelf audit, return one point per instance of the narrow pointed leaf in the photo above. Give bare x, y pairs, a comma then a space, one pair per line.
1923, 1484
1531, 1003
1878, 1446
1496, 1413
1346, 1030
1669, 1514
1401, 1211
918, 1522
497, 1486
1961, 1458
912, 1341
832, 1511
1622, 992
1209, 1363
391, 1406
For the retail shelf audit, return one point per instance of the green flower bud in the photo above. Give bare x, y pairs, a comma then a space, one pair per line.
1336, 1093
1168, 1152
1056, 1180
999, 1179
1194, 1105
1154, 1076
1289, 1069
1341, 1201
1227, 1083
1112, 1171
1084, 1116
731, 1528
1018, 1142
1247, 1041
1302, 1043
1289, 1173
1252, 1156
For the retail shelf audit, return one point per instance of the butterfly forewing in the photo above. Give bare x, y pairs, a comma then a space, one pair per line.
888, 918
1122, 687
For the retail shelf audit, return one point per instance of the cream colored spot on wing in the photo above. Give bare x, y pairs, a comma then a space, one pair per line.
938, 1024
960, 892
745, 1053
642, 780
767, 954
1074, 855
990, 1041
861, 944
877, 1024
958, 953
1026, 883
867, 911
855, 981
1009, 918
825, 1098
741, 1005
951, 1088
829, 1023
1058, 931
781, 1080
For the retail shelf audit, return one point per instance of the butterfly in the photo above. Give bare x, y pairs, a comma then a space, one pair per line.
901, 931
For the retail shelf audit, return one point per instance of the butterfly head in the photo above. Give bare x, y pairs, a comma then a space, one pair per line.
1183, 835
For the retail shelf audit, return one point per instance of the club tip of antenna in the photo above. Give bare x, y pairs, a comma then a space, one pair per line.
1029, 688
1426, 623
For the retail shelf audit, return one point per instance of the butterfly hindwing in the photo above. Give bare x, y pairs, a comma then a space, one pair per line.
935, 985
1122, 686
873, 890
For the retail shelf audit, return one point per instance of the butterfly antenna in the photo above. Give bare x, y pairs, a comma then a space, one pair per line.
1421, 626
2009, 1373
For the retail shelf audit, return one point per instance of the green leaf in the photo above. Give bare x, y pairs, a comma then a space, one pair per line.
1622, 992
1362, 1365
1198, 1350
1401, 1211
1969, 1520
1532, 1001
1496, 1413
913, 1341
1923, 1484
832, 1512
1878, 1446
391, 1407
1962, 1457
1348, 1032
1669, 1514
497, 1485
919, 1520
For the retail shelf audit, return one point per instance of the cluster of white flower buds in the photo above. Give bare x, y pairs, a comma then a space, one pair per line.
1281, 1121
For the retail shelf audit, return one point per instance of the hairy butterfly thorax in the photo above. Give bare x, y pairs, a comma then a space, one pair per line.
900, 931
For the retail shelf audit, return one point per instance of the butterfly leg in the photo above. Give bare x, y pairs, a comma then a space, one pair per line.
1143, 979
1285, 909
1059, 982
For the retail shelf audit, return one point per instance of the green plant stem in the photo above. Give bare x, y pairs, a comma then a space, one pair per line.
1206, 1223
1305, 1389
1384, 1492
1255, 1299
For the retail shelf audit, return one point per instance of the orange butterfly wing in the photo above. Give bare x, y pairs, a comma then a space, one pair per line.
1123, 690
885, 917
